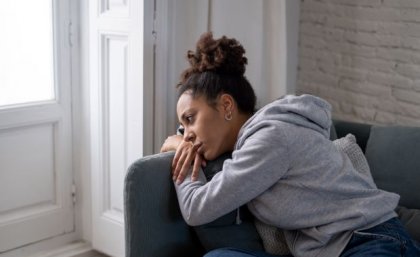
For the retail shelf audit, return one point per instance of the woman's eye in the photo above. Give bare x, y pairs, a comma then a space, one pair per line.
189, 119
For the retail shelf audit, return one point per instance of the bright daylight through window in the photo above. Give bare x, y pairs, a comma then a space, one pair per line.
26, 52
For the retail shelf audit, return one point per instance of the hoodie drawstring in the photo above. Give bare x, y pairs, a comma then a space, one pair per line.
238, 217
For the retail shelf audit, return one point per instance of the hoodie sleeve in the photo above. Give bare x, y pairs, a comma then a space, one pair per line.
257, 165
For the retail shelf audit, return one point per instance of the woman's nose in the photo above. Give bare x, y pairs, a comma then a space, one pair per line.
189, 136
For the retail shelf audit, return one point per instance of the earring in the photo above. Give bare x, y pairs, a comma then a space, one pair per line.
228, 116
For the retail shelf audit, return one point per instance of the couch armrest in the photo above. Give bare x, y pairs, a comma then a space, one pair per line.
153, 223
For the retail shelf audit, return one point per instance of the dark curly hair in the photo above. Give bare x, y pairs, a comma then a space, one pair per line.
217, 66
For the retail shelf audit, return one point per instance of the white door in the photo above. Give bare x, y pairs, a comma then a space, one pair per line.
116, 96
35, 122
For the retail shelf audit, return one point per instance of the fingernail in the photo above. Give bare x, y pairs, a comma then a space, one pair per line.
178, 182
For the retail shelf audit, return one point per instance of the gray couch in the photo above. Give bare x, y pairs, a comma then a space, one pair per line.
155, 227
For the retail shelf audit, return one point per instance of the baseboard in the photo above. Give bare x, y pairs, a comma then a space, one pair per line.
77, 249
43, 246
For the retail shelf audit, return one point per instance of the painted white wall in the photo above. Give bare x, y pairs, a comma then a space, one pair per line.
268, 30
292, 11
178, 25
356, 57
260, 27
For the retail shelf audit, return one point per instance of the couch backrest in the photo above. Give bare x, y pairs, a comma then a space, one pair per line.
393, 154
359, 130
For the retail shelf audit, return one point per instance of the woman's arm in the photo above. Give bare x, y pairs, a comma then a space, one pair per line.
253, 169
171, 143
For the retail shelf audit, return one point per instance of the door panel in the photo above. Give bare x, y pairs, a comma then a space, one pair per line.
35, 178
117, 61
23, 163
116, 80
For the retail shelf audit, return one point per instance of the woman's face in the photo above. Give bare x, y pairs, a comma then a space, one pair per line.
206, 125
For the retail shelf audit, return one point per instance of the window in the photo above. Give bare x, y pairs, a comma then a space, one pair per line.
26, 50
36, 174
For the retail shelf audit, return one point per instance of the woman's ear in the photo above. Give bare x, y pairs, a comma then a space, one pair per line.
227, 102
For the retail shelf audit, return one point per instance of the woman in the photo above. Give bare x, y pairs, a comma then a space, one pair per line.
283, 165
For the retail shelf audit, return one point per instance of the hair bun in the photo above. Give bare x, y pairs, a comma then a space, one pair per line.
223, 56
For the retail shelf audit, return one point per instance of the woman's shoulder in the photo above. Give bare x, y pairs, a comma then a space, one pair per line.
267, 130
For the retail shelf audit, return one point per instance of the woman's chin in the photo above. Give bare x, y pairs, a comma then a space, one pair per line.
208, 155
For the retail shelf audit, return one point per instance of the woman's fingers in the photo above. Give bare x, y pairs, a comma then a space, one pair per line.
183, 146
186, 156
184, 165
196, 168
176, 158
180, 162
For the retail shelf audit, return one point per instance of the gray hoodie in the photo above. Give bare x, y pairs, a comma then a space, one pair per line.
288, 172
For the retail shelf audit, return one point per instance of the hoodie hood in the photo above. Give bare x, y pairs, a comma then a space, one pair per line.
305, 110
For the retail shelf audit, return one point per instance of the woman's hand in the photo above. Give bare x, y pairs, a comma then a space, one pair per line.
185, 156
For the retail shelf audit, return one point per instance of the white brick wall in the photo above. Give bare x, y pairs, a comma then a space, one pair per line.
363, 56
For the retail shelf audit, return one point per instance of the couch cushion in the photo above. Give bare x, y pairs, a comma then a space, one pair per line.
225, 231
393, 154
349, 146
273, 238
411, 220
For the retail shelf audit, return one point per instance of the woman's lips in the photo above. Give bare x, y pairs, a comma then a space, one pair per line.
200, 149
